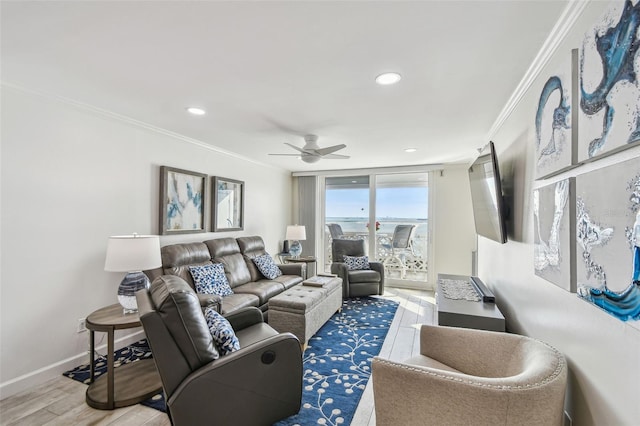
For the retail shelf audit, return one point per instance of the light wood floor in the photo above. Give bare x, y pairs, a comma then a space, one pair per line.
61, 401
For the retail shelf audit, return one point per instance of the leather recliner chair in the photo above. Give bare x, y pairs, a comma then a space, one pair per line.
257, 385
360, 282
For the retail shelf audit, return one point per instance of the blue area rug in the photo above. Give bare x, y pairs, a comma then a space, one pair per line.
132, 353
337, 362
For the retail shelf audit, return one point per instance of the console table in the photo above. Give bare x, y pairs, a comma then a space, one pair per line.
467, 314
128, 384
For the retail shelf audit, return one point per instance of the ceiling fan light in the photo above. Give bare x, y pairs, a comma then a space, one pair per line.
196, 111
388, 78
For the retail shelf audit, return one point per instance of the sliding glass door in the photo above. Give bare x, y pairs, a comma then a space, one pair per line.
390, 213
346, 211
402, 225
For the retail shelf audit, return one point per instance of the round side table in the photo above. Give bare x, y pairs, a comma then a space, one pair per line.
128, 384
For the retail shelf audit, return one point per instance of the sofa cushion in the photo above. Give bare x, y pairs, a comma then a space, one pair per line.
264, 289
251, 247
176, 259
364, 276
356, 263
222, 332
210, 279
173, 298
267, 266
288, 281
227, 252
237, 301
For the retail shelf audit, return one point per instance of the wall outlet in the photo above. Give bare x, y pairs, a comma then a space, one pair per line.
82, 327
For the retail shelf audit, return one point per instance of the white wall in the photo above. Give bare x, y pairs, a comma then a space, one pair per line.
453, 227
71, 177
603, 353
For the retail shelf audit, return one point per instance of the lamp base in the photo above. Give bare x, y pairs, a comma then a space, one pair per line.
131, 283
295, 248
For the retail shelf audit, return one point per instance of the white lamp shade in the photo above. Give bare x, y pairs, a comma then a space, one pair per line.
296, 232
127, 253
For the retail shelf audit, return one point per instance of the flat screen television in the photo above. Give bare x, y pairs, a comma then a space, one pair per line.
486, 196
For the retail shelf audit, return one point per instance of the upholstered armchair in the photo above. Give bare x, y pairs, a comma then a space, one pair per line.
356, 283
471, 377
258, 384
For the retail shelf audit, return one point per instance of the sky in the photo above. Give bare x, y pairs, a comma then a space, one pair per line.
390, 202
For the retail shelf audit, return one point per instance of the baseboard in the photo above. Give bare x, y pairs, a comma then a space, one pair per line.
44, 374
412, 285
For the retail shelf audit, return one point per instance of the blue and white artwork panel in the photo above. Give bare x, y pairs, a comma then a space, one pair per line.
554, 248
609, 115
554, 123
608, 239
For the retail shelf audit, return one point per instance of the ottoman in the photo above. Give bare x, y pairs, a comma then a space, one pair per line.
303, 309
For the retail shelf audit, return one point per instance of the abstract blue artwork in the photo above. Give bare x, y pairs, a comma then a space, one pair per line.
609, 118
608, 240
555, 142
554, 246
181, 201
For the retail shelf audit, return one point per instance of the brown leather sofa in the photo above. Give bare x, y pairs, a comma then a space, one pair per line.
258, 384
250, 287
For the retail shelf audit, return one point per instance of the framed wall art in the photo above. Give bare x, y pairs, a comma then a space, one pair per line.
556, 132
609, 118
228, 204
608, 239
182, 201
554, 230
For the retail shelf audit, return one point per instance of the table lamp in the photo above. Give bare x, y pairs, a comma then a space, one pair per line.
295, 233
132, 254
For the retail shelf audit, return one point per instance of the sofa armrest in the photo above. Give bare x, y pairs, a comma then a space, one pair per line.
341, 270
210, 300
379, 268
245, 317
298, 269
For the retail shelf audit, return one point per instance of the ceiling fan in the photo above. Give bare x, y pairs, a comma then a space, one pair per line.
311, 152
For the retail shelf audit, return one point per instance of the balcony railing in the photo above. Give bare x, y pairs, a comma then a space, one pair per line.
403, 263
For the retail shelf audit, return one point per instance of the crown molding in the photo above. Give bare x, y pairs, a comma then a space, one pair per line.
565, 23
131, 121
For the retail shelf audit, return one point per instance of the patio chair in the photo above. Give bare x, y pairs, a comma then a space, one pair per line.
335, 230
399, 247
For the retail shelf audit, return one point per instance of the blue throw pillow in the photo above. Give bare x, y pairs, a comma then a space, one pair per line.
221, 331
355, 263
267, 266
210, 279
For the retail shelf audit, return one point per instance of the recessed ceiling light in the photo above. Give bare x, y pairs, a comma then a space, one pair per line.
388, 78
196, 111
410, 149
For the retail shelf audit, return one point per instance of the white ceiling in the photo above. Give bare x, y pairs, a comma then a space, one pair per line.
269, 72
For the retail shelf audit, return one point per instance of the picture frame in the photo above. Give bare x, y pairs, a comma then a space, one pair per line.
555, 121
609, 117
607, 212
183, 201
554, 231
228, 204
